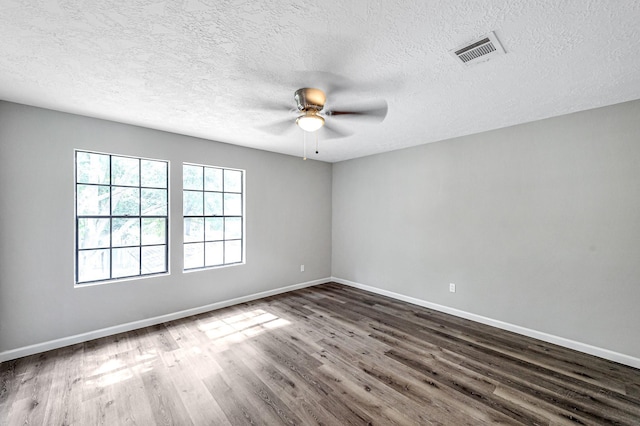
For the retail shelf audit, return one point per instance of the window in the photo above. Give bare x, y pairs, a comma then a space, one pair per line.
121, 217
213, 207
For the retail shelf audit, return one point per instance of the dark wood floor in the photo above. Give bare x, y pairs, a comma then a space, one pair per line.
325, 355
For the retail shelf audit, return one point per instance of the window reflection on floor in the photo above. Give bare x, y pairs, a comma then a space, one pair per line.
236, 328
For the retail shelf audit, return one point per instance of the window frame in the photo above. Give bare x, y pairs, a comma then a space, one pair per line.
111, 216
223, 216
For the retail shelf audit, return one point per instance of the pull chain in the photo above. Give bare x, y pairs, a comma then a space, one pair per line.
304, 144
316, 142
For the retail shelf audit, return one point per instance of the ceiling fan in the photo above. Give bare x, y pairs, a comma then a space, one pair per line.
312, 117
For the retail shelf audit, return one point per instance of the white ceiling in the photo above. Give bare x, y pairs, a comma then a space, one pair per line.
202, 68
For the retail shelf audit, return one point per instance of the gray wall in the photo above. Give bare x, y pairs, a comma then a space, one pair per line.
288, 215
537, 224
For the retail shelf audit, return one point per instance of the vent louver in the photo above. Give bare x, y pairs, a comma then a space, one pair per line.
479, 50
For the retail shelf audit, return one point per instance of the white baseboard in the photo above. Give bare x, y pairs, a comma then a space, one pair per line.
560, 341
109, 331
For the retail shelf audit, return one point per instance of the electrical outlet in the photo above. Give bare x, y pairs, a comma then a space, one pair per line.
301, 268
452, 287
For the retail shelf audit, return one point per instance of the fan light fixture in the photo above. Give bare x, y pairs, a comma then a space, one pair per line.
310, 121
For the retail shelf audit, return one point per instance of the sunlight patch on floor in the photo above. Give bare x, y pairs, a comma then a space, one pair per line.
115, 371
237, 328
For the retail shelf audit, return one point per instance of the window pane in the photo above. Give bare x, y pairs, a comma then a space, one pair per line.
154, 231
154, 202
125, 171
93, 200
126, 262
192, 203
193, 229
213, 229
153, 173
232, 181
192, 177
212, 179
93, 265
193, 255
232, 204
218, 205
232, 228
110, 227
93, 233
92, 168
214, 254
213, 204
126, 232
232, 251
154, 259
125, 202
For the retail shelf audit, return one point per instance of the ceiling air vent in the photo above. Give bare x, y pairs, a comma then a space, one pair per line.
480, 50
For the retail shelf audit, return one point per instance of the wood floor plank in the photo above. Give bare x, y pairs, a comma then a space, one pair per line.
312, 385
287, 385
256, 392
372, 401
64, 386
236, 410
546, 384
531, 379
442, 409
10, 379
185, 370
165, 403
325, 355
32, 395
514, 343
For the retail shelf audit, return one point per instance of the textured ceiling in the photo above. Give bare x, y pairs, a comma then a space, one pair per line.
205, 68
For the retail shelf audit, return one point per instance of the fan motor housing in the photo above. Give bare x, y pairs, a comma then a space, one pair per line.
309, 99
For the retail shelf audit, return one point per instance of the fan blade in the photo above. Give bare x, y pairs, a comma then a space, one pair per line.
279, 127
275, 106
330, 131
329, 83
377, 111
